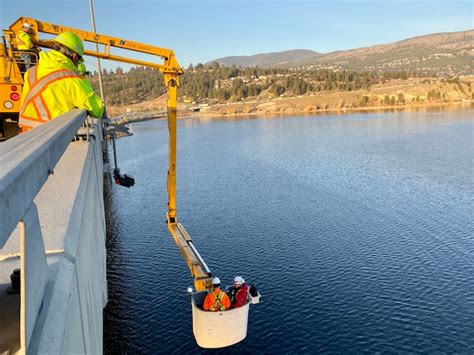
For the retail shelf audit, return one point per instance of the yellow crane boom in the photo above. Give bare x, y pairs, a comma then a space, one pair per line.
170, 64
171, 72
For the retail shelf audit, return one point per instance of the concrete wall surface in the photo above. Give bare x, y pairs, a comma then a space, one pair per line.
68, 218
71, 319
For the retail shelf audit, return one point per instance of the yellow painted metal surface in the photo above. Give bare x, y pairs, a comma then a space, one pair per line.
202, 278
11, 84
172, 85
9, 69
171, 72
169, 65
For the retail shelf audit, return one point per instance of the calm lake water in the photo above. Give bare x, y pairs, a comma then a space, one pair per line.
357, 229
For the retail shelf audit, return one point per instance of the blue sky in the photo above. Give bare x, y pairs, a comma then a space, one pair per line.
202, 30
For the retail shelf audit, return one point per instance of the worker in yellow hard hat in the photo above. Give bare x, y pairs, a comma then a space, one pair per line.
54, 87
26, 46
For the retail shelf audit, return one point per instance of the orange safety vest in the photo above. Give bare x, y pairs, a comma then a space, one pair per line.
36, 100
221, 301
217, 302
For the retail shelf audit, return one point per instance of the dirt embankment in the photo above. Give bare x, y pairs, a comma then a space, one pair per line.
411, 93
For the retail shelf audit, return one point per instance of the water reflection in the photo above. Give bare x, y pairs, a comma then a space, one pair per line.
406, 111
368, 216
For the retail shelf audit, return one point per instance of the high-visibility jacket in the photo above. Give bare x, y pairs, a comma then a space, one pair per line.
217, 300
53, 88
25, 43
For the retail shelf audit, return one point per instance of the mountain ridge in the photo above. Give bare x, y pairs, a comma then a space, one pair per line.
449, 53
266, 58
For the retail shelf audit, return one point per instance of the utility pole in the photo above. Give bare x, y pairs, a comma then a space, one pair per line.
101, 86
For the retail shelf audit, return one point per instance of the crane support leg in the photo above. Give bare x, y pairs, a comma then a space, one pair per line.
197, 266
172, 84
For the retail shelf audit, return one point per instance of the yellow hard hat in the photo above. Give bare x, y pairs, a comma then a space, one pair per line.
71, 41
81, 68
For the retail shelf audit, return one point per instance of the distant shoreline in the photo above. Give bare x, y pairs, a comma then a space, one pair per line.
296, 112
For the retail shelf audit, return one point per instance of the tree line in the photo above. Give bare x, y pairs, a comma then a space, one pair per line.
220, 83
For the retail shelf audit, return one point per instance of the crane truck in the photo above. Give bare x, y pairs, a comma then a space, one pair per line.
211, 329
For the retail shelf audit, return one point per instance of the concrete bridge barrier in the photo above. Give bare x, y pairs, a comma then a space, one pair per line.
52, 227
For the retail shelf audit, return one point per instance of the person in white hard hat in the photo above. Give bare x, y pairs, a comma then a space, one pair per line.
26, 46
238, 292
217, 300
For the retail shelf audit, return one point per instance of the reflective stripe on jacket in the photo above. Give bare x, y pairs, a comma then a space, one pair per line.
53, 88
25, 42
217, 300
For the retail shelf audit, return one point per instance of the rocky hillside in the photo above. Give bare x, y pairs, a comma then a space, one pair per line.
275, 59
443, 54
391, 93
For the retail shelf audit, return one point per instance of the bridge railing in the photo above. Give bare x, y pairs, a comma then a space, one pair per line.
26, 161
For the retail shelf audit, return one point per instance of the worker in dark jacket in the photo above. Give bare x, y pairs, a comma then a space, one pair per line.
238, 292
217, 300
